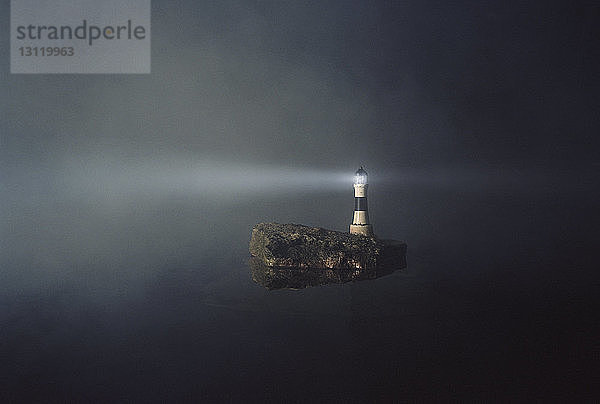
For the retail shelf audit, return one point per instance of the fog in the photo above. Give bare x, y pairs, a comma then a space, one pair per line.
263, 110
129, 199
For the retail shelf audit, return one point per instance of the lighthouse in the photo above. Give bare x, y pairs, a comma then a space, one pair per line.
360, 222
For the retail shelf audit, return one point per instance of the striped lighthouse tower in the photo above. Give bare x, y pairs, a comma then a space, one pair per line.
360, 222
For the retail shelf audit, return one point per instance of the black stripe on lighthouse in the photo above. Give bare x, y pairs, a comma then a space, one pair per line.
360, 203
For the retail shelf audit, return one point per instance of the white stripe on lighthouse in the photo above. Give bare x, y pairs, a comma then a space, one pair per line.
361, 217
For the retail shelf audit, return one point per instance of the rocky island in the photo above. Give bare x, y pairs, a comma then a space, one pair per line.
294, 255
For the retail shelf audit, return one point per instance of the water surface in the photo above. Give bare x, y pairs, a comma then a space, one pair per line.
151, 298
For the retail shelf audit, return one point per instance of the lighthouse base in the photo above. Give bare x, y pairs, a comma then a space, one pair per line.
362, 229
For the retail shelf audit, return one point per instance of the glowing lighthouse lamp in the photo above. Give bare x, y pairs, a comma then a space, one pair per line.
360, 222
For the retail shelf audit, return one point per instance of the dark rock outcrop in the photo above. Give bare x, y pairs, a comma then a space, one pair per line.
298, 246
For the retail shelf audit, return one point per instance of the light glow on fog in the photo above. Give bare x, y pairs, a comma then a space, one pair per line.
102, 179
204, 177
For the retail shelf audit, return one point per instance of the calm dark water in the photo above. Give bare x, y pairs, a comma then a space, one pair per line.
151, 299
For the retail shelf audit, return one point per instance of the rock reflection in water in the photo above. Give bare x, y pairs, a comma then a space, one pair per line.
272, 277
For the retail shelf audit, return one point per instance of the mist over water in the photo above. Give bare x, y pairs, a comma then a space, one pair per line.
134, 288
92, 217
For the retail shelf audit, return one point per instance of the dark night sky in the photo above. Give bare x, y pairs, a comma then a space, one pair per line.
390, 84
